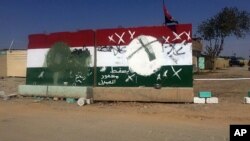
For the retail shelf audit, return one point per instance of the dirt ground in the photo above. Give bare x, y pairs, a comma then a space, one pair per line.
25, 119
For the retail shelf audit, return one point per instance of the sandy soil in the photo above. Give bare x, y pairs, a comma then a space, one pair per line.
24, 119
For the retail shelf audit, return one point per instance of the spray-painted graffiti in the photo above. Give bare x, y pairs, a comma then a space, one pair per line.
65, 66
146, 56
115, 49
126, 57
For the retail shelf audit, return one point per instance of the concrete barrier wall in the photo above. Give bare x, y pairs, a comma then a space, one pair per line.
123, 60
55, 91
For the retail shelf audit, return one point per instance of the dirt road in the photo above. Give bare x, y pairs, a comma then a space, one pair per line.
23, 119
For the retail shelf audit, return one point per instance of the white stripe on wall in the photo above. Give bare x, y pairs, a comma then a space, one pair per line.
174, 58
36, 57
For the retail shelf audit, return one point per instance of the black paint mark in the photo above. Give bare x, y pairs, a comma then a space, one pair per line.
115, 49
149, 50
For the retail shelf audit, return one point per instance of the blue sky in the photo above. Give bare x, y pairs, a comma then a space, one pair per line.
19, 18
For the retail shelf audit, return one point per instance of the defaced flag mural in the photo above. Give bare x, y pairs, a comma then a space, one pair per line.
145, 56
64, 58
125, 57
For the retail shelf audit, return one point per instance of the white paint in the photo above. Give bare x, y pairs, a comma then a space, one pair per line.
37, 57
166, 40
184, 57
198, 100
221, 79
109, 59
212, 100
111, 39
106, 59
131, 34
247, 100
138, 59
176, 73
120, 37
178, 36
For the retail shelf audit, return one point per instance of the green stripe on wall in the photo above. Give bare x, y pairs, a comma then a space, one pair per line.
114, 77
166, 77
44, 76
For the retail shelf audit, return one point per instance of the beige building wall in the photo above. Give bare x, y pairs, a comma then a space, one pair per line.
16, 63
3, 65
221, 63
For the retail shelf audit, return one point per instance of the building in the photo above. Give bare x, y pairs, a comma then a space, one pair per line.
196, 50
13, 63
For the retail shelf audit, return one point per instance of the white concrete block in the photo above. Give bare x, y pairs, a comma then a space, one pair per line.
198, 100
89, 101
212, 100
247, 100
81, 101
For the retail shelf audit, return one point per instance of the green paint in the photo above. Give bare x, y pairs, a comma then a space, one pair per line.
205, 94
115, 77
122, 77
44, 76
63, 65
57, 57
201, 63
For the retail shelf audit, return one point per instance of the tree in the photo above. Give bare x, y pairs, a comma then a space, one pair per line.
228, 22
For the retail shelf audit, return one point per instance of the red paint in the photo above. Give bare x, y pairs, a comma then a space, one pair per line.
73, 39
156, 31
86, 37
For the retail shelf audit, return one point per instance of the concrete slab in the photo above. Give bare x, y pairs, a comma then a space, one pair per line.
212, 100
247, 100
55, 91
70, 91
148, 94
32, 90
198, 100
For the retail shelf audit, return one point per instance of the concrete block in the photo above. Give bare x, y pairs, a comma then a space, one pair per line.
81, 101
55, 98
212, 100
2, 94
205, 94
198, 100
70, 91
70, 100
247, 100
89, 101
32, 90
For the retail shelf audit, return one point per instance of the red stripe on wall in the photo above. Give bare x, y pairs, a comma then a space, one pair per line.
112, 37
165, 34
73, 39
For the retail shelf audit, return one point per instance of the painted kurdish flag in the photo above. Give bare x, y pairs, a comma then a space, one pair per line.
145, 56
64, 58
125, 57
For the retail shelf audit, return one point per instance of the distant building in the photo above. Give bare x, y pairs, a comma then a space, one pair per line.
13, 63
196, 50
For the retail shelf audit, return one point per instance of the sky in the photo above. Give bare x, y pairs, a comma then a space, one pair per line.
19, 18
